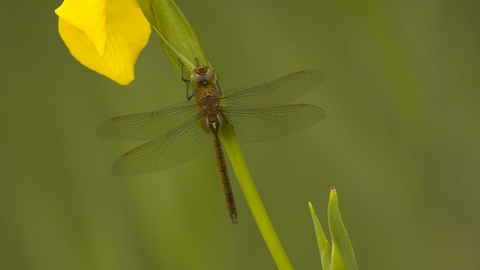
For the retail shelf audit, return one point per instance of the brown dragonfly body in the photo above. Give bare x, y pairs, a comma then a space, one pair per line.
208, 100
181, 131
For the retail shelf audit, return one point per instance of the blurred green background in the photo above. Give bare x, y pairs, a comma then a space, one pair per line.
400, 141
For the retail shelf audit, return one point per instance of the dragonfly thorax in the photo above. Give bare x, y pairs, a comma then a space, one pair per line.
205, 92
211, 112
208, 99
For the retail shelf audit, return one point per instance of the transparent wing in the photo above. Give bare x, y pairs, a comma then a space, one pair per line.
277, 92
256, 125
148, 125
169, 150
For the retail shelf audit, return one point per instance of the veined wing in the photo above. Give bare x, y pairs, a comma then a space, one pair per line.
169, 150
256, 125
277, 92
148, 125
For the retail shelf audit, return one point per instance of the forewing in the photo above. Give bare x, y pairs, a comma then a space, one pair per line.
169, 150
256, 125
148, 125
277, 92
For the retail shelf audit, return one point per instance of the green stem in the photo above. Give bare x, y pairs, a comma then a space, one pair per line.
255, 203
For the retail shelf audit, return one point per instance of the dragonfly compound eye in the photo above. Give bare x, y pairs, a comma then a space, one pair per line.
202, 75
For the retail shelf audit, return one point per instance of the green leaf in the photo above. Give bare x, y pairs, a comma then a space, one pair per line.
343, 256
175, 34
323, 245
340, 256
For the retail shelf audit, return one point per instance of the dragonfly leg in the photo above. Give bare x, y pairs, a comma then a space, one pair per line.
219, 88
185, 80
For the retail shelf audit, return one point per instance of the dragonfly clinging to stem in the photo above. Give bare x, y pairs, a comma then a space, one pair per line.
182, 131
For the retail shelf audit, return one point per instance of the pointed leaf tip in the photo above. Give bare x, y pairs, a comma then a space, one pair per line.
343, 256
322, 242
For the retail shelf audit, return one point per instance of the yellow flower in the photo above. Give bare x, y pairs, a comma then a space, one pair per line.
104, 35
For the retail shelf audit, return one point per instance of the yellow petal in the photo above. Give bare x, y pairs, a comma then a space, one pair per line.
105, 35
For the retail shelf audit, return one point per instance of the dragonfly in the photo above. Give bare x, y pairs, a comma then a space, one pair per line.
180, 132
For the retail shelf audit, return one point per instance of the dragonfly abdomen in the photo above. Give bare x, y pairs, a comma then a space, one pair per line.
227, 189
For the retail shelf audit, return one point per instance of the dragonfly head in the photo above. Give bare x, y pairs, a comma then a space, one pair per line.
202, 75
